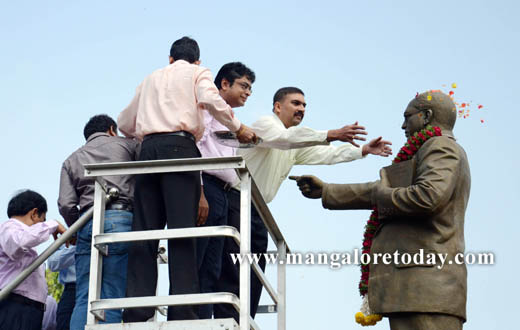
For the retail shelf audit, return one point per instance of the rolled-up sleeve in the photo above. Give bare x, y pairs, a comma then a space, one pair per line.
208, 98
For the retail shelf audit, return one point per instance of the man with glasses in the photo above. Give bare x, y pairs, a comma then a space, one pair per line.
234, 82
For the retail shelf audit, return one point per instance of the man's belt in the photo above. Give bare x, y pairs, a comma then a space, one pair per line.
119, 206
111, 206
178, 133
26, 301
226, 186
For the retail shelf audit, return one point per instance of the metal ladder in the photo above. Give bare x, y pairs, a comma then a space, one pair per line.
248, 192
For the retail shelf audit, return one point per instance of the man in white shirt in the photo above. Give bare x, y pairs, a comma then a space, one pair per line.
284, 145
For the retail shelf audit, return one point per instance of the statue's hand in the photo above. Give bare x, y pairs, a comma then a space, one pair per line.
310, 186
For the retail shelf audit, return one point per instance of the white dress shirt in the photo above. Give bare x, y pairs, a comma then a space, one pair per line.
271, 161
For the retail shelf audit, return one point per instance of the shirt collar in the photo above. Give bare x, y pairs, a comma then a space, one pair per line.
278, 120
96, 135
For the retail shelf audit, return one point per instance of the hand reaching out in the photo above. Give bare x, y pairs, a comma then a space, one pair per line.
347, 133
378, 147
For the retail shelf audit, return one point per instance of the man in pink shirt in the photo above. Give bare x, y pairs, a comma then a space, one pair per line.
167, 114
234, 81
26, 228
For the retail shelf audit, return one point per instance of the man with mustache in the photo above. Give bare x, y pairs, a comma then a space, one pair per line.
284, 145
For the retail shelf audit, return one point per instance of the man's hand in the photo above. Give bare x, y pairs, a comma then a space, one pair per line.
310, 186
59, 231
246, 134
203, 209
377, 147
347, 133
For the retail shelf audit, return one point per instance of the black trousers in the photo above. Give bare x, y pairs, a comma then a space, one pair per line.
18, 316
171, 199
66, 306
230, 274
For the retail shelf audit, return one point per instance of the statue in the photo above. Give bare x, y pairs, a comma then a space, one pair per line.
419, 202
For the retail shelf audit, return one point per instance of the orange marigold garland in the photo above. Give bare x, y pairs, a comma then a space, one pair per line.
365, 317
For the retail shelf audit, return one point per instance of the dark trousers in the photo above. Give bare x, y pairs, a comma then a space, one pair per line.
66, 306
15, 315
230, 274
171, 199
209, 249
424, 321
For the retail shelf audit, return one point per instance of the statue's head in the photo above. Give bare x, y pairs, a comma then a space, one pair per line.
429, 108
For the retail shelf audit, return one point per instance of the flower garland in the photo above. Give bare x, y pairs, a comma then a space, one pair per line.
364, 317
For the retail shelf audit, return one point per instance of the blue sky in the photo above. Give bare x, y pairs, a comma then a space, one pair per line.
64, 61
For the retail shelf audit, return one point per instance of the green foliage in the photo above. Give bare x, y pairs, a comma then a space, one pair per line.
54, 286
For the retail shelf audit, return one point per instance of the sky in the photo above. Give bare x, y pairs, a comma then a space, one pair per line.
63, 62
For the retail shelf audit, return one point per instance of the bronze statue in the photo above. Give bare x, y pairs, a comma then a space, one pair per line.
420, 204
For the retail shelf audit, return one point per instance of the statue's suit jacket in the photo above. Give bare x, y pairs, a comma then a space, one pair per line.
427, 214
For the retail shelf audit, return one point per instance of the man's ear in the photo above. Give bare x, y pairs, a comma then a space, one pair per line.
428, 116
224, 84
170, 59
277, 107
111, 131
33, 213
197, 62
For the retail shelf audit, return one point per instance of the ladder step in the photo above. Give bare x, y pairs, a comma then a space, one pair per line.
175, 300
218, 324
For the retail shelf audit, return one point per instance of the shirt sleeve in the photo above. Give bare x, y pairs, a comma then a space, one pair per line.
68, 199
274, 136
327, 155
62, 259
208, 98
18, 240
126, 120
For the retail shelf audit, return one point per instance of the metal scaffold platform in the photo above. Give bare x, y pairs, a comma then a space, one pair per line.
248, 193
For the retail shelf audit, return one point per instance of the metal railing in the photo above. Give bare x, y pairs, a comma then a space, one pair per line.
248, 191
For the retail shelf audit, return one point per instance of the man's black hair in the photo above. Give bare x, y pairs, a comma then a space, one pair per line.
232, 71
282, 92
25, 201
185, 49
99, 124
